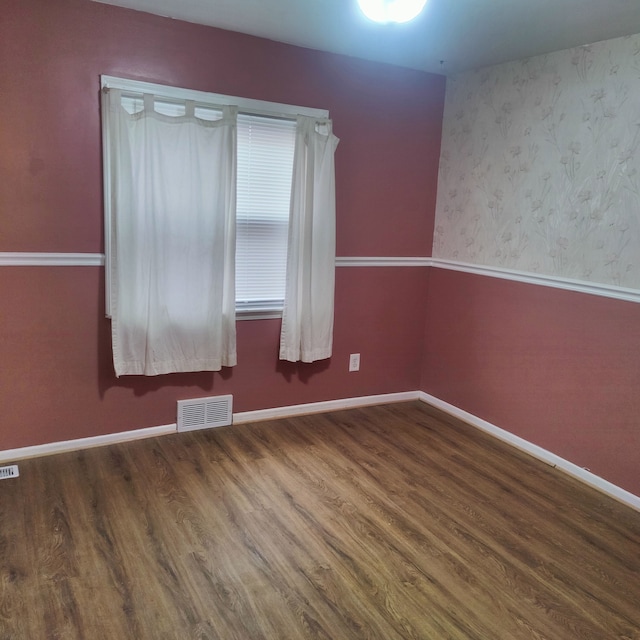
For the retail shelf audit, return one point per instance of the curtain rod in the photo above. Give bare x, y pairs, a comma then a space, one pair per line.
249, 106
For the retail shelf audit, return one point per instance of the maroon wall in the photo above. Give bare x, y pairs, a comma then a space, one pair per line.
559, 369
56, 376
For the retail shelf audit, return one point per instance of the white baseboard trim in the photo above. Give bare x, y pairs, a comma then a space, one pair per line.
65, 446
244, 417
321, 407
534, 450
85, 443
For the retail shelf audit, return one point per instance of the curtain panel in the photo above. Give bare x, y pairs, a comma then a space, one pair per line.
307, 317
173, 191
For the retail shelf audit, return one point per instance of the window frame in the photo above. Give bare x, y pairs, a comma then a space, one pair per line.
246, 106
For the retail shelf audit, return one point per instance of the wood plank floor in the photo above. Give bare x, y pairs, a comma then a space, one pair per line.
386, 523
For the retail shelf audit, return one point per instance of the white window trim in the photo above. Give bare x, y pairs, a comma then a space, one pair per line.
246, 106
206, 99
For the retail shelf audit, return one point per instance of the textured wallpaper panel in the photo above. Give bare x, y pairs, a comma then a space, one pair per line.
540, 165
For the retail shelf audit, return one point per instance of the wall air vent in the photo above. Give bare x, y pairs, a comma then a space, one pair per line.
10, 471
204, 413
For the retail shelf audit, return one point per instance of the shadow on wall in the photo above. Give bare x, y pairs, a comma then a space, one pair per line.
302, 371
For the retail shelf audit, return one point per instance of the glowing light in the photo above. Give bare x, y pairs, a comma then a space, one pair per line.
391, 10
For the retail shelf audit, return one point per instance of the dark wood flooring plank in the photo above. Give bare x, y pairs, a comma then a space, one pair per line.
388, 522
515, 532
585, 612
448, 564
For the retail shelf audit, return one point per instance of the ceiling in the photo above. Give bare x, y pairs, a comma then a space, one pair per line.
449, 36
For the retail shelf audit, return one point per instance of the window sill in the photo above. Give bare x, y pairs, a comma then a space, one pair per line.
262, 314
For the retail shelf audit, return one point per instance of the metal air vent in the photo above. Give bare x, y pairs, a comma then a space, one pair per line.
10, 471
205, 413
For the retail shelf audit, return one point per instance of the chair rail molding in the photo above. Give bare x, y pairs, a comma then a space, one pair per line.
37, 259
43, 259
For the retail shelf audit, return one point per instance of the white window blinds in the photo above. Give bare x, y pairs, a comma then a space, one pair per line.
265, 168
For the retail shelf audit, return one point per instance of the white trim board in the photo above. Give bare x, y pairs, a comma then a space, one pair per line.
42, 259
36, 259
534, 450
238, 418
335, 405
383, 261
205, 98
65, 446
322, 407
567, 284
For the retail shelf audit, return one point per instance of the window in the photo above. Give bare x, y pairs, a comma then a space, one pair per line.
200, 188
265, 168
265, 148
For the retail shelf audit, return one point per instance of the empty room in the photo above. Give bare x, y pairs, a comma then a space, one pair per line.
319, 319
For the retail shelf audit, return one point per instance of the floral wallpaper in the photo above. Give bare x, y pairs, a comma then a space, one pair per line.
540, 165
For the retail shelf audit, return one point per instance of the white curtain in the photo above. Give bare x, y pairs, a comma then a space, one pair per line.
307, 318
173, 190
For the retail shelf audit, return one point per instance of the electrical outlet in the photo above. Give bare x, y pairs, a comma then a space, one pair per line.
354, 362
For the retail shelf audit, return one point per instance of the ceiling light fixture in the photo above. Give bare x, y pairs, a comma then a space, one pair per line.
391, 10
